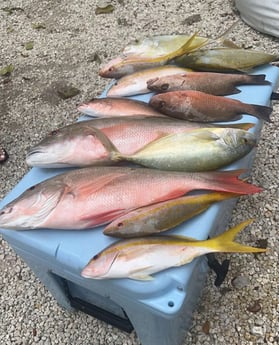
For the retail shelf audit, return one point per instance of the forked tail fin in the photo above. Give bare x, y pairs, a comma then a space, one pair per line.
225, 242
260, 111
226, 181
256, 79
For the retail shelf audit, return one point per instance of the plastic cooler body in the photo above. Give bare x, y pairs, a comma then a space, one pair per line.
159, 310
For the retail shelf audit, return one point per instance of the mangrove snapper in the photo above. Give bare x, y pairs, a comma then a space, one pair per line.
200, 106
219, 84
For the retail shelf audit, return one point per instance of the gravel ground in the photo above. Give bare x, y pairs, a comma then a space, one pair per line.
68, 38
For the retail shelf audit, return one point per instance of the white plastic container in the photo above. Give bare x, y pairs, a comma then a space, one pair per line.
262, 15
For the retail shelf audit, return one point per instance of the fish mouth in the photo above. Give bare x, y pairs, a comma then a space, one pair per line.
85, 109
40, 158
33, 152
34, 156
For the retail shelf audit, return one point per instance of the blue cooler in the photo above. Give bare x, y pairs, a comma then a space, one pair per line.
160, 310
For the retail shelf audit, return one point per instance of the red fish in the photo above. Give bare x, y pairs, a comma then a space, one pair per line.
219, 84
110, 106
200, 106
81, 144
85, 198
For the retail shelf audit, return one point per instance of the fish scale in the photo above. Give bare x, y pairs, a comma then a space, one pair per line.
78, 144
200, 106
93, 196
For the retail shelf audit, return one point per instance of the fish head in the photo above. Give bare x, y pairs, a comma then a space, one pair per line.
159, 102
123, 88
158, 85
73, 145
238, 139
99, 266
116, 68
90, 108
31, 208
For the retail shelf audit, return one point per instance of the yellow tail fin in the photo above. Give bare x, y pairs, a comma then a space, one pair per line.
225, 242
189, 46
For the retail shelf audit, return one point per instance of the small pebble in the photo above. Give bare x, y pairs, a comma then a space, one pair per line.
240, 282
257, 330
255, 307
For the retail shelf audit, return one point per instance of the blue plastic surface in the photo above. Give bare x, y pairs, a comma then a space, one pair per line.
67, 252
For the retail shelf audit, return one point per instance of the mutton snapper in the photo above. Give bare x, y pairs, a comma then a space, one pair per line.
202, 149
88, 197
156, 218
140, 258
80, 144
200, 106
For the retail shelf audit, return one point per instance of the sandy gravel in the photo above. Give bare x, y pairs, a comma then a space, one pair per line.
68, 37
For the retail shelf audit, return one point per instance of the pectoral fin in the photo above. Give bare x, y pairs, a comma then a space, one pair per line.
204, 135
93, 186
138, 274
141, 277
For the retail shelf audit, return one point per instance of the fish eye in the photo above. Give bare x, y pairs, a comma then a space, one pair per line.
119, 225
10, 210
164, 87
162, 104
95, 257
111, 69
54, 133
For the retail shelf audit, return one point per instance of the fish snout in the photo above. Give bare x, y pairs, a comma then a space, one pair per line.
155, 85
83, 108
150, 83
250, 139
157, 103
33, 155
6, 210
7, 218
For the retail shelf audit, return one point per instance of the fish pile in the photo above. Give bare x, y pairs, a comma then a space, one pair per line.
138, 163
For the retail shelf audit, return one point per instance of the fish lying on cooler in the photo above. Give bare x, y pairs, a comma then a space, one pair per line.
225, 59
139, 258
156, 218
219, 84
202, 149
80, 144
88, 197
161, 45
200, 106
110, 106
131, 63
136, 83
